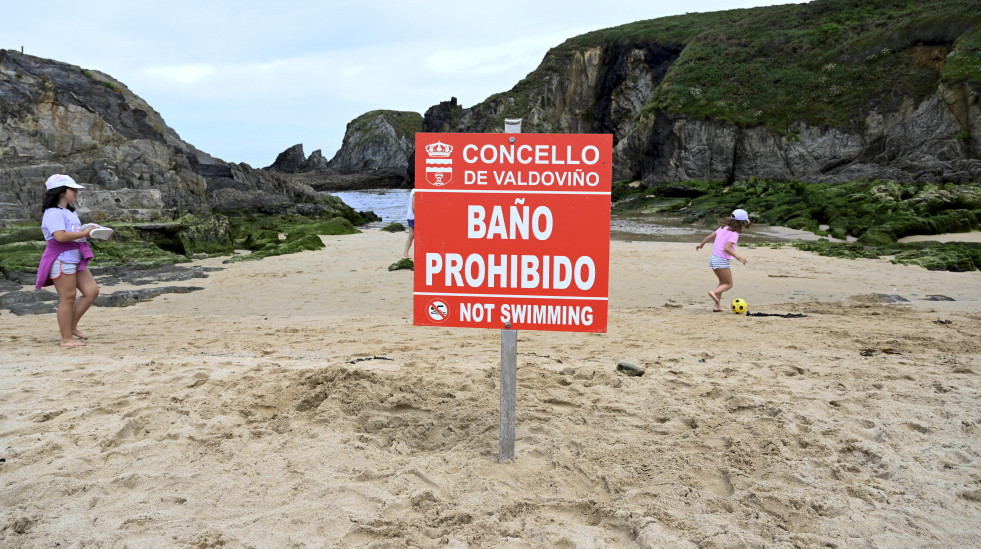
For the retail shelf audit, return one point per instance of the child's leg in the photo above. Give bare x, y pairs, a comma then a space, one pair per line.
408, 242
90, 290
725, 283
65, 285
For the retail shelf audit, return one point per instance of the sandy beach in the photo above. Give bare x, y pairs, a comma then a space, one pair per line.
291, 403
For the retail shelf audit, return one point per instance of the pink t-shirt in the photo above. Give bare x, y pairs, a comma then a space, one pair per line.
723, 235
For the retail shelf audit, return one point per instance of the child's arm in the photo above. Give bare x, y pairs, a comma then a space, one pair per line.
706, 239
732, 252
68, 236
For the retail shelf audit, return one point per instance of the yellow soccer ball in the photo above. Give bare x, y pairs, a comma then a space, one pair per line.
739, 306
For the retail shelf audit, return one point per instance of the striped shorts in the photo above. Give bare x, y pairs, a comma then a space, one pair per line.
62, 267
717, 262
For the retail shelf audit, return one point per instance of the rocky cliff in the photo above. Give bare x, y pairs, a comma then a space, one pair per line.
377, 140
376, 153
60, 118
826, 91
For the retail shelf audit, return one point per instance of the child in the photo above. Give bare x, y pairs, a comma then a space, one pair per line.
65, 257
410, 218
724, 250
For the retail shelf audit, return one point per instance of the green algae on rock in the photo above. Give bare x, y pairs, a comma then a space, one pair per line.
297, 244
876, 213
404, 263
933, 256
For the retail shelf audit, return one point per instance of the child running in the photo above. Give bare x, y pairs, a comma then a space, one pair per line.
723, 251
65, 257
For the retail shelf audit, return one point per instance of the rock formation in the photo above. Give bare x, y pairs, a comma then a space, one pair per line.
375, 153
60, 118
605, 83
377, 140
292, 160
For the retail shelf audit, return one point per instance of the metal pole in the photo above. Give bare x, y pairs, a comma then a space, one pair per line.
509, 365
509, 393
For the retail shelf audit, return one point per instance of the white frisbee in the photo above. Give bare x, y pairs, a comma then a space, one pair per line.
101, 233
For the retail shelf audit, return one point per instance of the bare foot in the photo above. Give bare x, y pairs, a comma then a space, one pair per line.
718, 303
73, 344
79, 335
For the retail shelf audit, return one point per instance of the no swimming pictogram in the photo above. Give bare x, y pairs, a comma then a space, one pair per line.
438, 310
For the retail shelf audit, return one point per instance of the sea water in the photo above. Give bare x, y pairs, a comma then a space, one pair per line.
389, 204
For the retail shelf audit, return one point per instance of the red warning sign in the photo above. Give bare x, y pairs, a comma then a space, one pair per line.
512, 231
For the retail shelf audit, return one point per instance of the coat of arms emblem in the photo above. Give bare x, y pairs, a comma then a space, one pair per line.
439, 165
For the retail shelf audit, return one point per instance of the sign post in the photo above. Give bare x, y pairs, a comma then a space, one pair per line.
509, 366
512, 232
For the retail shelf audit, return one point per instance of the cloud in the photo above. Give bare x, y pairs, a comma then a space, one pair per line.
181, 74
497, 58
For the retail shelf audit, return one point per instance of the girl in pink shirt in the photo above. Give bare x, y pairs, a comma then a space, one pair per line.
723, 251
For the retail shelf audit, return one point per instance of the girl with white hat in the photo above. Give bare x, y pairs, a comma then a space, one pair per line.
66, 257
723, 251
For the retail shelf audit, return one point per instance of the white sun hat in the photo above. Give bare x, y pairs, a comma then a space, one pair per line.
740, 215
59, 180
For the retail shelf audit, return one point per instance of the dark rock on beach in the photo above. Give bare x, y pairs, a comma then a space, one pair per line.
171, 273
630, 369
29, 302
126, 298
34, 302
9, 286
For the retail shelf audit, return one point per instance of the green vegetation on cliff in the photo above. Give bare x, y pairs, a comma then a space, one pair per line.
405, 123
826, 62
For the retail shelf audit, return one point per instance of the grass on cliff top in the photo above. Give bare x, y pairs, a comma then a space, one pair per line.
826, 62
405, 123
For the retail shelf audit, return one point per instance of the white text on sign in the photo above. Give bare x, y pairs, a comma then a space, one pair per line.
555, 272
555, 315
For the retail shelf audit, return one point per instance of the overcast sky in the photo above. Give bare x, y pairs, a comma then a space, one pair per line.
245, 80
